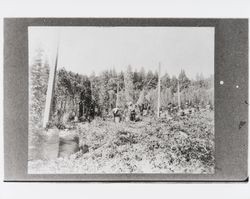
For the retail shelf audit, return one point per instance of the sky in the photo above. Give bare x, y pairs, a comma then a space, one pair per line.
85, 50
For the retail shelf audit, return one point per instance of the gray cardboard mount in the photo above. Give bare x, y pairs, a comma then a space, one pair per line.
231, 103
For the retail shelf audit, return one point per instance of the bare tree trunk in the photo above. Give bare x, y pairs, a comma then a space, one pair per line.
159, 91
117, 94
50, 92
179, 96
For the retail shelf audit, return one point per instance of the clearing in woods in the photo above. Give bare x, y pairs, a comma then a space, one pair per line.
182, 144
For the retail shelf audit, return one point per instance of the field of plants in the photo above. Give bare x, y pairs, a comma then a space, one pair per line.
181, 144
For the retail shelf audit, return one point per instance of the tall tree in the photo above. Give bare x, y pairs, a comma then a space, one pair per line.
151, 80
174, 84
103, 92
128, 83
183, 80
39, 74
165, 81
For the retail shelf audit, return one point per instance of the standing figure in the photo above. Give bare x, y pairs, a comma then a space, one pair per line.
131, 111
117, 114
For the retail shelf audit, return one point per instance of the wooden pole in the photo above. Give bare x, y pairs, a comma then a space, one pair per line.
117, 94
178, 93
50, 91
159, 91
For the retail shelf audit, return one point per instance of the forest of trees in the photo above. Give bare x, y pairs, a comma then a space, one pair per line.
79, 94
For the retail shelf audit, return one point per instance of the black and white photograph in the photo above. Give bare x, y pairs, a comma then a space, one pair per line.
121, 100
124, 99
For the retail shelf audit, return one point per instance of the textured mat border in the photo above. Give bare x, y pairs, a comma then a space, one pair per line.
231, 104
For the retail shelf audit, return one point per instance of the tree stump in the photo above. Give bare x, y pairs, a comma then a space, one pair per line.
117, 119
68, 144
50, 144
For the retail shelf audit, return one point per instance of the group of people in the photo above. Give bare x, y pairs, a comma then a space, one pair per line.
135, 112
131, 112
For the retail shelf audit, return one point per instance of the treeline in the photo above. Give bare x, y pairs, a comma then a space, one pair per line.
81, 95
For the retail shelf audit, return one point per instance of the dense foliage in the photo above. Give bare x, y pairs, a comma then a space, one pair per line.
180, 145
174, 143
96, 95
